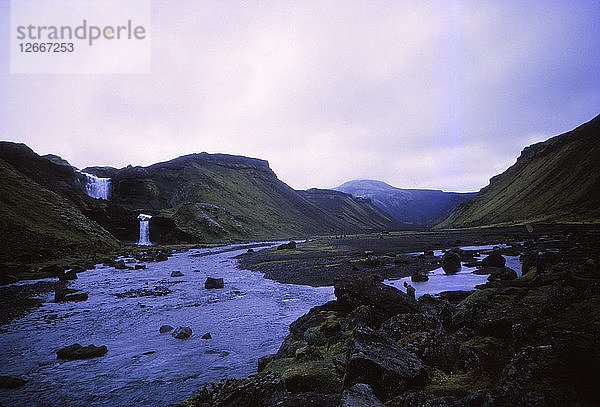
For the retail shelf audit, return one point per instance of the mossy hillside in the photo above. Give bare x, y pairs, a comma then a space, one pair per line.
39, 225
557, 180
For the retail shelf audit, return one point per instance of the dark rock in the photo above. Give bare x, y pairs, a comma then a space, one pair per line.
206, 336
364, 315
68, 275
51, 270
454, 296
121, 265
420, 276
386, 300
451, 262
63, 294
360, 395
402, 325
291, 245
8, 279
263, 389
76, 351
503, 274
495, 259
213, 283
182, 332
250, 251
165, 328
435, 348
264, 361
176, 273
379, 362
11, 382
428, 253
140, 267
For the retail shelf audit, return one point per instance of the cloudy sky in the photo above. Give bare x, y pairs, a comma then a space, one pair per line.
440, 94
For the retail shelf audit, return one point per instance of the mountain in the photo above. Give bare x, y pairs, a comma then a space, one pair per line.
359, 213
46, 214
418, 207
557, 180
40, 218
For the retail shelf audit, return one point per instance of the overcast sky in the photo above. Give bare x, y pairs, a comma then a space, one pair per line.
418, 94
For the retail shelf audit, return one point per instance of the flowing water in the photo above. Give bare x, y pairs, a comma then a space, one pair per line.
247, 319
96, 187
144, 230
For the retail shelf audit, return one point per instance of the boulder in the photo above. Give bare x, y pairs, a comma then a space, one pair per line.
176, 273
386, 300
206, 336
76, 351
68, 275
495, 259
451, 262
165, 328
402, 325
140, 267
121, 265
11, 382
213, 283
503, 274
291, 245
420, 276
360, 395
63, 294
376, 360
182, 332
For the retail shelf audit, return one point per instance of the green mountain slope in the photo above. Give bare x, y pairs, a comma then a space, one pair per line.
209, 197
39, 224
557, 180
358, 213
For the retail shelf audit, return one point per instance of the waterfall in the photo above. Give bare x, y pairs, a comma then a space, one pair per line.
144, 230
96, 187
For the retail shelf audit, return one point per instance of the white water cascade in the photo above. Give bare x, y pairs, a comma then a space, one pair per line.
96, 187
144, 229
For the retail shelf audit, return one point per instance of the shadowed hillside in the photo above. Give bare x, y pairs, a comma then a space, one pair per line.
38, 223
557, 180
418, 207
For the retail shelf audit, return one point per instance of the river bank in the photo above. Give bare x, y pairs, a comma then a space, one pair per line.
532, 340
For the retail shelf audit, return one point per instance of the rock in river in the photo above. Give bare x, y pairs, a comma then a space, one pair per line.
176, 273
76, 351
11, 382
451, 262
182, 332
495, 259
211, 283
165, 328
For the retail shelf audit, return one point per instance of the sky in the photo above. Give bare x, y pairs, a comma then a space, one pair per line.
440, 94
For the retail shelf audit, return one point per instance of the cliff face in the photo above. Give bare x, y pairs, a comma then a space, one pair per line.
557, 180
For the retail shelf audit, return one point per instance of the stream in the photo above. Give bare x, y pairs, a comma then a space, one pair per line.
247, 319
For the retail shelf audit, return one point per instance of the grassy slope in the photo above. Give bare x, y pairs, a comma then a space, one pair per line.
557, 180
245, 190
39, 225
359, 214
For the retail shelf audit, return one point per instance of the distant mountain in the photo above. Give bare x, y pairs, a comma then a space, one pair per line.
418, 207
557, 180
358, 213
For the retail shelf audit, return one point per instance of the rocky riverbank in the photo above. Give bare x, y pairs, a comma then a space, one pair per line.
529, 341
